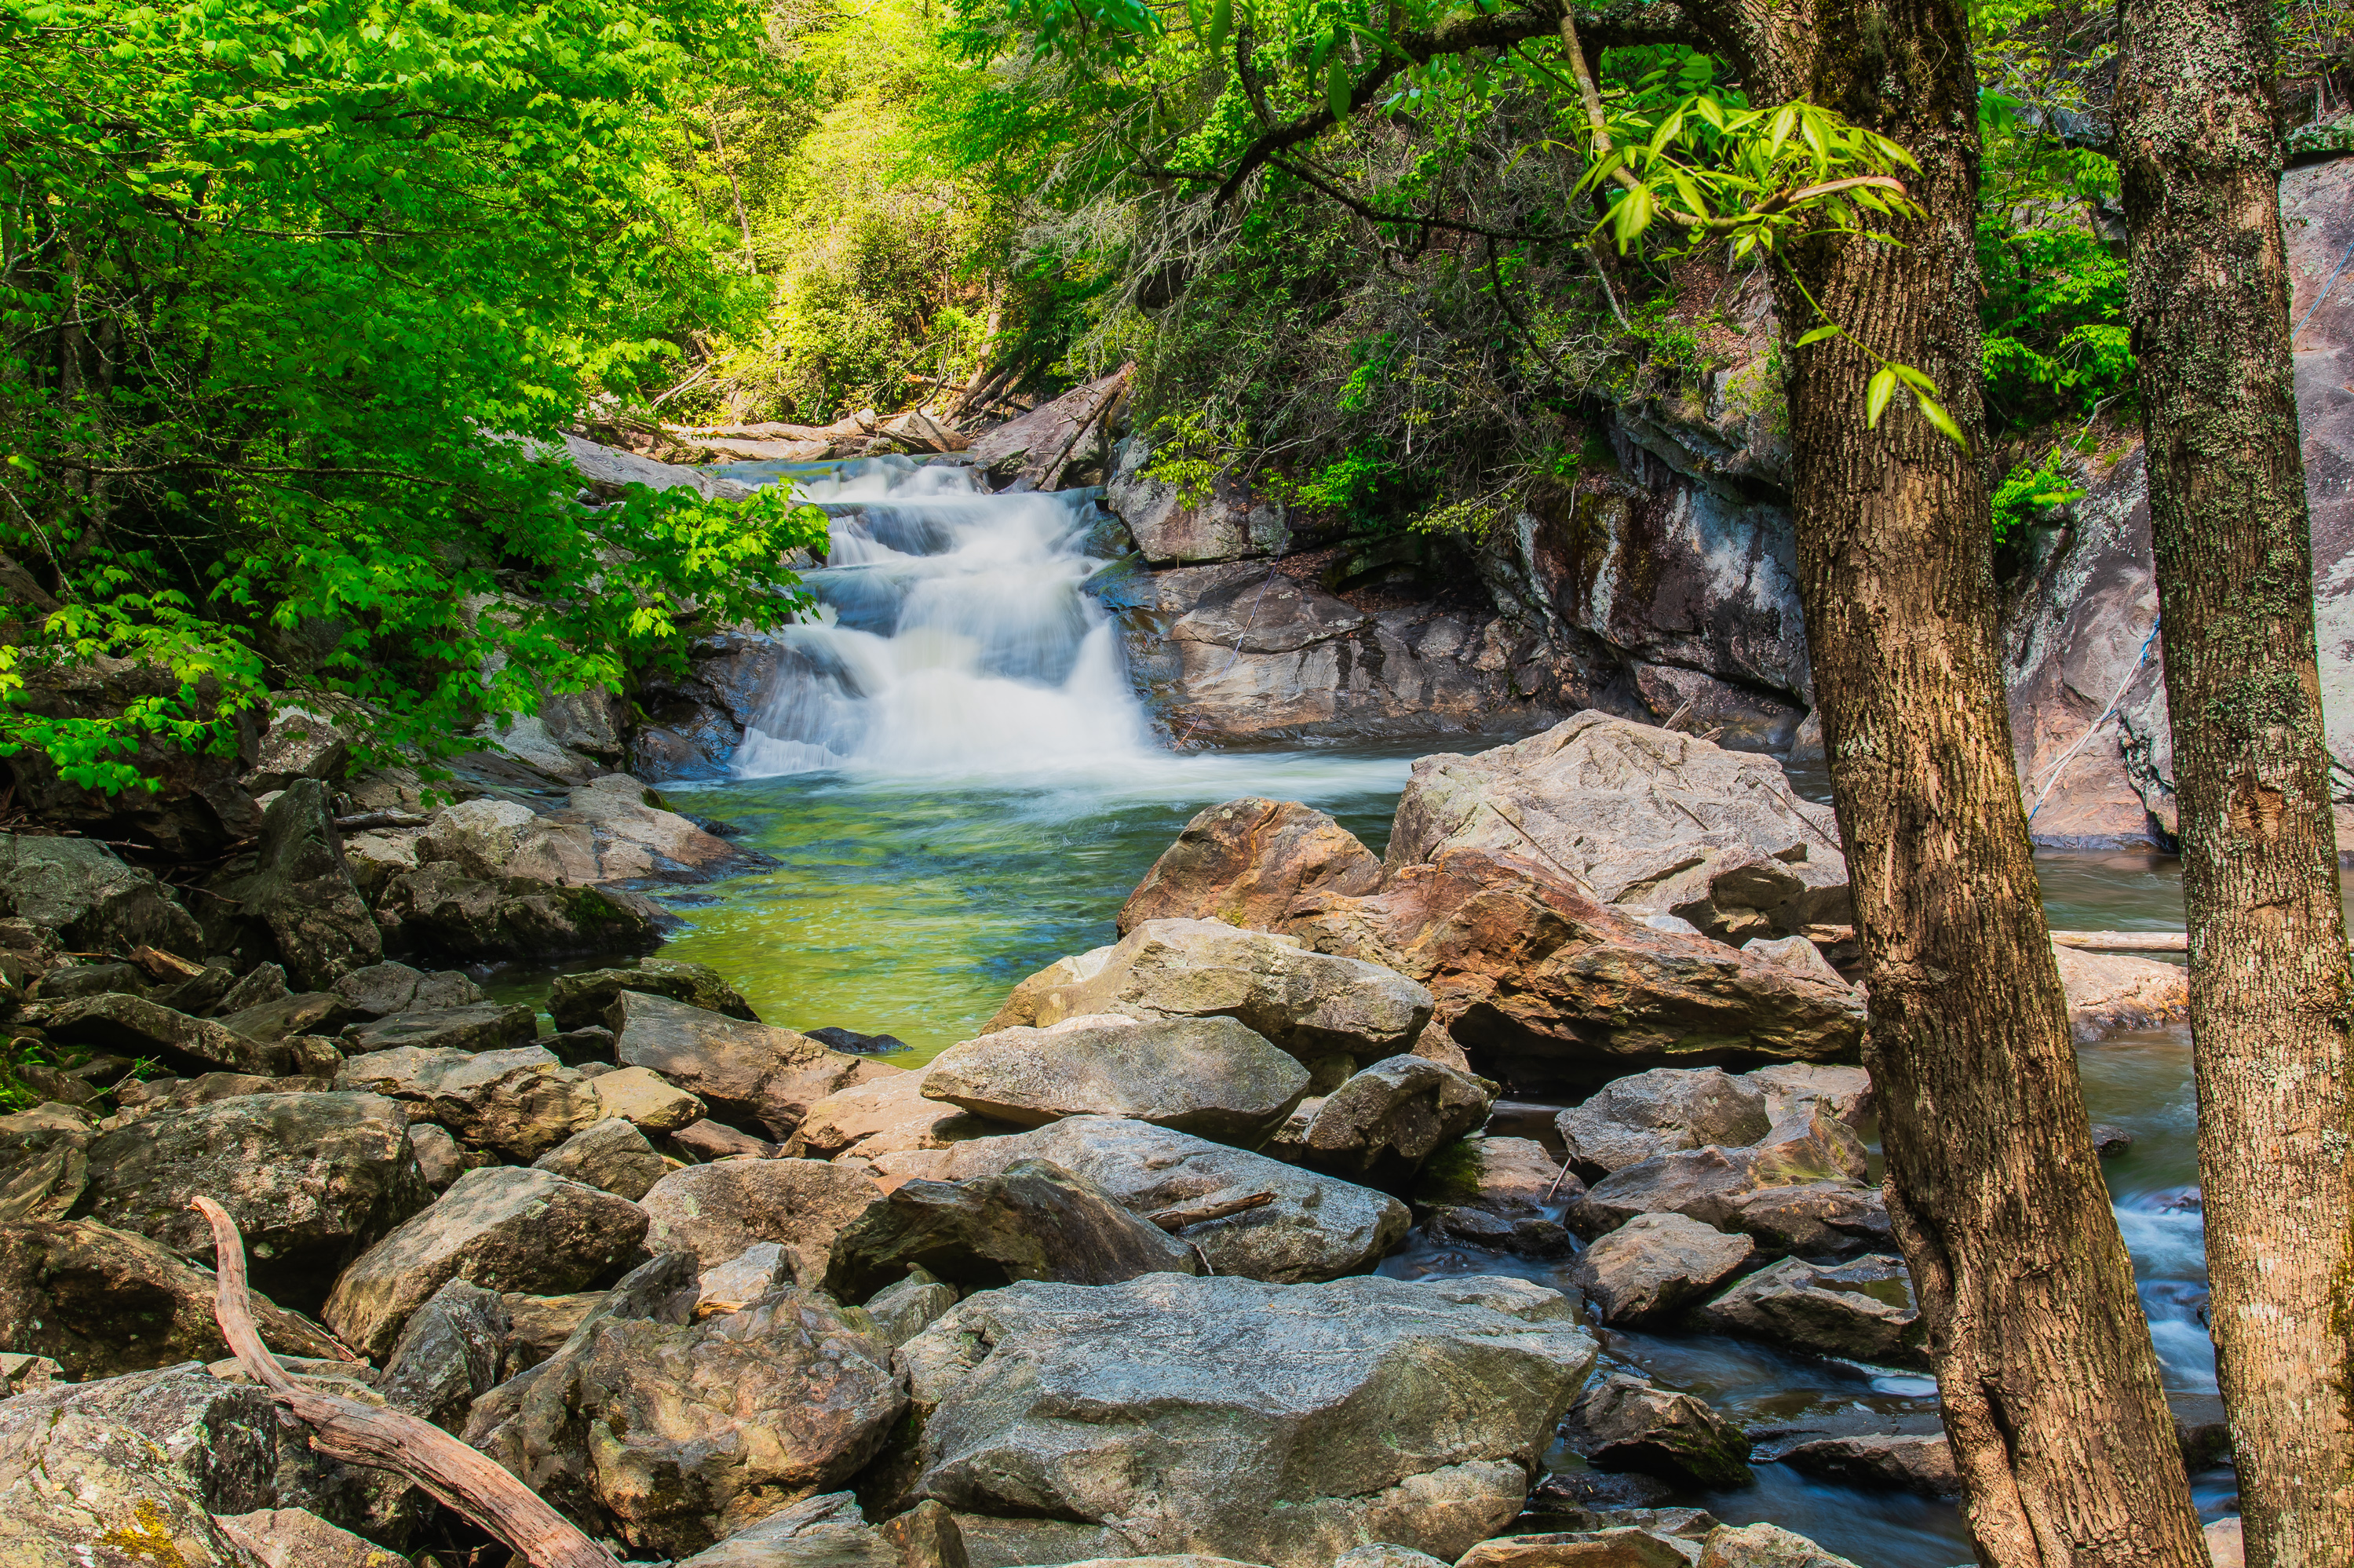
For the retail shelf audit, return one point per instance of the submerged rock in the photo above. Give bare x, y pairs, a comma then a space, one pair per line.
1209, 1076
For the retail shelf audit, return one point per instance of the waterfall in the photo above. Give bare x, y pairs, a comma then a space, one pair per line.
951, 637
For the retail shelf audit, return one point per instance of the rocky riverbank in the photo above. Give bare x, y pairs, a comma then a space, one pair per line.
1095, 1284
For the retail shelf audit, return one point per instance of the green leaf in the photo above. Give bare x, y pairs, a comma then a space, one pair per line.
1934, 412
1876, 396
1913, 378
1221, 22
1633, 215
1336, 86
1817, 335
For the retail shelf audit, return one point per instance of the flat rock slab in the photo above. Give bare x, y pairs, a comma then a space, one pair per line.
482, 1026
520, 1102
718, 1210
1209, 1076
133, 1026
1271, 1423
744, 1071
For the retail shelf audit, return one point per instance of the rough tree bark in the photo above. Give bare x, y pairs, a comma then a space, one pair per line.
2044, 1357
2270, 987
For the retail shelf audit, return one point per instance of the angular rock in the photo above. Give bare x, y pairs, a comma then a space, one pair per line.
520, 1102
101, 1302
1271, 1424
82, 891
1814, 1219
1316, 1227
709, 1140
674, 1437
439, 1158
1790, 1087
1174, 526
743, 1071
43, 1165
715, 1212
502, 840
1623, 1423
580, 1047
1662, 1110
1654, 1265
438, 906
1495, 1192
1037, 1220
1309, 1003
1902, 1462
379, 990
283, 1018
762, 1269
610, 1155
504, 1228
884, 1116
263, 983
1795, 954
1209, 1076
582, 999
823, 1532
297, 1538
643, 1099
301, 892
1382, 1554
1709, 1184
478, 1026
1762, 1546
1862, 1310
133, 1027
2111, 992
451, 1353
635, 837
1380, 1125
1621, 1548
537, 1326
72, 1488
313, 1181
905, 1309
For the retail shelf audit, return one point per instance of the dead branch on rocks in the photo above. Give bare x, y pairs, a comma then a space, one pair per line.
461, 1477
1178, 1219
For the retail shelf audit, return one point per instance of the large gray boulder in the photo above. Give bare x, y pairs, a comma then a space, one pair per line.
1650, 820
134, 1027
1650, 1267
611, 1155
504, 1228
520, 1102
1209, 1076
1861, 1311
439, 907
745, 1072
1311, 1005
82, 891
1711, 1184
379, 990
1314, 1227
472, 1026
68, 1486
451, 1353
1380, 1125
300, 892
1660, 1111
1279, 1424
716, 1211
675, 1435
313, 1181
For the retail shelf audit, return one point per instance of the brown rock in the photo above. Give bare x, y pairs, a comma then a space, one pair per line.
1651, 1265
1902, 1462
883, 1115
1575, 1548
716, 1211
743, 1071
1625, 1424
709, 1140
1247, 863
2111, 992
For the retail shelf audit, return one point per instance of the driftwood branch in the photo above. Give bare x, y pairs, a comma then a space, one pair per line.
365, 820
2124, 941
461, 1477
1177, 1219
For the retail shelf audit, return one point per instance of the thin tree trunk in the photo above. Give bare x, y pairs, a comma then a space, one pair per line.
2270, 989
2051, 1398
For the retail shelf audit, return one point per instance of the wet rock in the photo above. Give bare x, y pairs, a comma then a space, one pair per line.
83, 892
1814, 1219
43, 1165
1901, 1462
99, 1302
519, 1103
438, 907
137, 1028
1709, 1184
1246, 863
645, 1100
833, 1037
283, 1018
69, 1485
504, 1228
715, 1212
312, 1181
1764, 1546
1623, 1548
450, 1353
1495, 1192
2109, 1140
884, 1116
1209, 1076
1316, 1227
1791, 1087
380, 991
296, 1538
610, 1155
1662, 1110
1862, 1310
674, 1437
581, 1000
300, 892
1379, 1127
1037, 1220
745, 1072
479, 1026
905, 1309
1623, 1423
1654, 1265
1271, 1423
1309, 1003
2110, 992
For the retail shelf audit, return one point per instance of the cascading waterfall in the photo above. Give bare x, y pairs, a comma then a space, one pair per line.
952, 638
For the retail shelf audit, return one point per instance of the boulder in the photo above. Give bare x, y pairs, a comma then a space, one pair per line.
283, 1018
715, 1212
710, 1140
675, 1435
1651, 1266
301, 891
1310, 1004
101, 1302
451, 1353
538, 1326
439, 907
610, 1155
905, 1309
883, 1115
1626, 1547
379, 990
439, 1158
1174, 526
1762, 1546
1037, 1220
129, 1026
581, 1000
1790, 1087
43, 1165
1496, 1192
762, 1269
1380, 1125
299, 743
297, 1538
504, 1228
1814, 1219
829, 1531
1708, 1183
1796, 954
1668, 1109
1246, 863
83, 892
635, 837
1316, 1227
519, 1103
73, 1488
140, 1098
498, 840
476, 1026
1861, 1311
745, 1072
263, 983
1209, 1076
1382, 1554
581, 1047
313, 1181
2111, 992
1647, 819
1279, 1424
645, 1100
1889, 1461
1623, 1423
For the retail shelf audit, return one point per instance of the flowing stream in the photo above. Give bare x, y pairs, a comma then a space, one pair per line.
959, 786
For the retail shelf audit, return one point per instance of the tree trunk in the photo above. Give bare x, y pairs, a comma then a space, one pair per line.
2050, 1389
2269, 982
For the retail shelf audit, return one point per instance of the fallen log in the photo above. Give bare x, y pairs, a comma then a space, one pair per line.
1178, 1219
2124, 941
463, 1478
366, 820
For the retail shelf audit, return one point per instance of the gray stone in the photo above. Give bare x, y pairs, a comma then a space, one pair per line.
1383, 1555
299, 743
645, 1100
43, 1165
1861, 1311
313, 1181
519, 1103
451, 1353
504, 1228
1380, 1125
439, 1158
283, 1018
133, 1027
1709, 1184
1652, 1265
759, 1270
611, 1155
1660, 1111
823, 1532
1209, 1076
1271, 1424
263, 983
580, 1000
710, 1140
1495, 1192
297, 1538
1795, 954
1317, 1226
1790, 1087
379, 990
716, 1211
1764, 1546
478, 1026
1623, 1423
1172, 528
743, 1071
68, 1485
438, 906
1814, 1219
1629, 1547
301, 892
1890, 1461
82, 891
905, 1309
1253, 860
537, 1326
888, 1115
